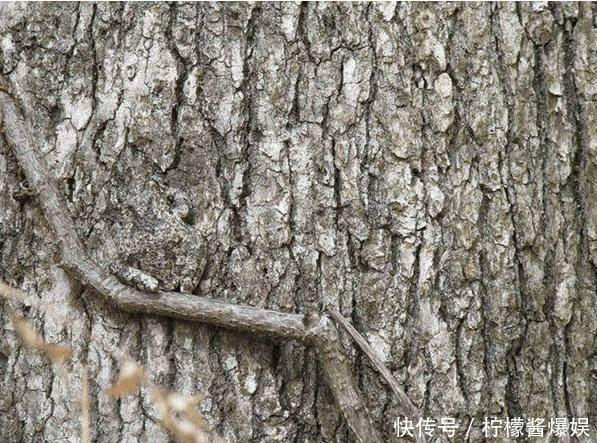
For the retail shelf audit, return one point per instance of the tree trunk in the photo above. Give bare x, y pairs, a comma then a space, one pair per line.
429, 170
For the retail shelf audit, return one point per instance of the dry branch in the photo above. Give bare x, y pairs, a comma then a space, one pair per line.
179, 305
408, 408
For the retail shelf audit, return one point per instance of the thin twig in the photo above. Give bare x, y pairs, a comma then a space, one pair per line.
408, 408
175, 304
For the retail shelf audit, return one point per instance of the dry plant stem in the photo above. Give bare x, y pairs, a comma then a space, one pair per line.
408, 409
341, 380
179, 305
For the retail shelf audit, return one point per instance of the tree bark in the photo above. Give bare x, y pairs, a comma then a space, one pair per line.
428, 170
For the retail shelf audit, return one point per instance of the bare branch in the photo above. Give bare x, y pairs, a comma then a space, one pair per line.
179, 305
408, 408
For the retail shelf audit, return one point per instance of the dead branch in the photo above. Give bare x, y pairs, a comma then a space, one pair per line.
407, 407
235, 317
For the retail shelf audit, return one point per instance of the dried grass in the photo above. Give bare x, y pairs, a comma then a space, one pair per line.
10, 293
130, 377
178, 413
56, 353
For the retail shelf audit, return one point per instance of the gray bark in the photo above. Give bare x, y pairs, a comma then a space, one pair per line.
429, 170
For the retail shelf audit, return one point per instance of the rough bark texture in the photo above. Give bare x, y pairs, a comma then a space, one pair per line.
429, 170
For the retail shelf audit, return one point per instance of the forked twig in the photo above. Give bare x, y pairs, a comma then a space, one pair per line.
321, 334
408, 408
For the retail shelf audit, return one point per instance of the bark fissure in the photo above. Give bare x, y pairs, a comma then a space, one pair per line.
514, 350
